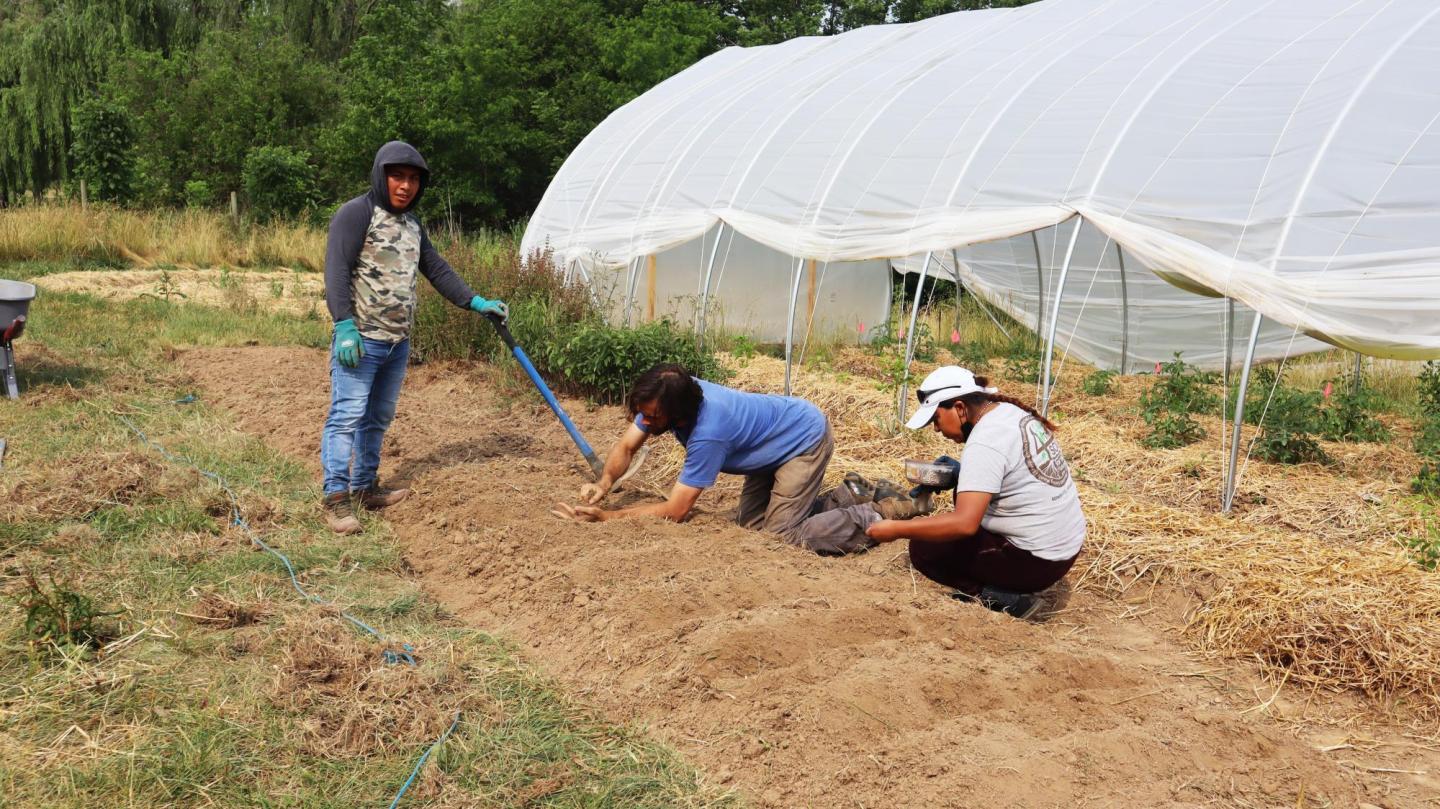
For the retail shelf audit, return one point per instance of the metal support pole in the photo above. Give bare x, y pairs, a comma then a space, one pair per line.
705, 282
1229, 338
790, 322
1124, 312
1055, 319
1227, 497
959, 288
1359, 373
910, 336
1039, 285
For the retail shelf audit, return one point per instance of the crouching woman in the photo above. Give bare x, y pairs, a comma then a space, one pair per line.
1017, 525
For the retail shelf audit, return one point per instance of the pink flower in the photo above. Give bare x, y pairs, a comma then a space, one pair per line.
1327, 391
954, 335
1157, 367
861, 327
902, 332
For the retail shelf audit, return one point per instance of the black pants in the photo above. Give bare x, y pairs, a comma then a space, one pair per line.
986, 560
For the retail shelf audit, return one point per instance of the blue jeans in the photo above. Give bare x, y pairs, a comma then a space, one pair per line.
362, 404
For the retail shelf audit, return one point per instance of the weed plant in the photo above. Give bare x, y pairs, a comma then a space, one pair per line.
58, 618
1098, 383
1023, 358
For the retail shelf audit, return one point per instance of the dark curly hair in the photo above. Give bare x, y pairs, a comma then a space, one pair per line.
672, 386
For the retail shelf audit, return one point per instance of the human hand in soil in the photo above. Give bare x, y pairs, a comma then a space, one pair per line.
565, 511
591, 493
885, 530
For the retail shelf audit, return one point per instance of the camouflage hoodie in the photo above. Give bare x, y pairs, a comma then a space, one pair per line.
374, 251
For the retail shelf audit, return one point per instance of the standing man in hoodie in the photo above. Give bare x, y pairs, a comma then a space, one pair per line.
376, 247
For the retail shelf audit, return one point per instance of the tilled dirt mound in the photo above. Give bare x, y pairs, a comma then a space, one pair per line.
800, 680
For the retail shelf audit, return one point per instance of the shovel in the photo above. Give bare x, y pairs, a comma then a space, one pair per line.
597, 467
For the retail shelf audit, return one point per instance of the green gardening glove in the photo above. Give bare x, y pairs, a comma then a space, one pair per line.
489, 307
348, 346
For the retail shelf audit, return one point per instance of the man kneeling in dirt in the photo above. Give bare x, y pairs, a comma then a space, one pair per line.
781, 445
375, 248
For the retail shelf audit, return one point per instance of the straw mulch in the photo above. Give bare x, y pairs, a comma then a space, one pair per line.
1307, 576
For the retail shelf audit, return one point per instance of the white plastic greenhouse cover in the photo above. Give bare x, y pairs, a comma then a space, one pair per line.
1280, 153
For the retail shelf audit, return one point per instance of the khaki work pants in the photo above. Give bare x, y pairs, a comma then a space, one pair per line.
780, 500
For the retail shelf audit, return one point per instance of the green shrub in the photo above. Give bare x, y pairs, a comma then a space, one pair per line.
103, 150
1172, 431
1179, 391
1023, 358
1287, 433
1427, 437
604, 361
1428, 390
558, 324
279, 181
971, 355
1349, 416
1425, 550
1427, 481
1098, 383
198, 194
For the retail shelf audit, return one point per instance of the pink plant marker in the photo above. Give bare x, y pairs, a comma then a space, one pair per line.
954, 336
1157, 367
1328, 389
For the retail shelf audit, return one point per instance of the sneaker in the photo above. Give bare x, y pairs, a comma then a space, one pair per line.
1016, 605
377, 497
340, 513
894, 504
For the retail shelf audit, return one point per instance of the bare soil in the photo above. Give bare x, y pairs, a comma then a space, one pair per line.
808, 681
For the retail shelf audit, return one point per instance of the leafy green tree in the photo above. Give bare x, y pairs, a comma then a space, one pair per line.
103, 149
279, 181
200, 111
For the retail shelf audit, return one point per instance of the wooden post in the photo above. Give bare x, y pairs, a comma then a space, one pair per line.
234, 206
810, 296
84, 196
650, 288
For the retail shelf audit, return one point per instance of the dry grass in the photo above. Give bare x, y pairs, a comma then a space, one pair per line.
188, 238
353, 702
76, 487
1307, 577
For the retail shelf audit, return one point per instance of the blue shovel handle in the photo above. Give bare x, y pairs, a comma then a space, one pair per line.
595, 464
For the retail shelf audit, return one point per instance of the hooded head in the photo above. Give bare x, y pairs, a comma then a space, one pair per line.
396, 153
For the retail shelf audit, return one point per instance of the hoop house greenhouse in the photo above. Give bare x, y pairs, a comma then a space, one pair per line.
1131, 178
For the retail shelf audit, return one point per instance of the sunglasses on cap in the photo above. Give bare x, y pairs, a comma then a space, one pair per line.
922, 395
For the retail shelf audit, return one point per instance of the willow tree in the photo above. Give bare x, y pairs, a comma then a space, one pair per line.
53, 55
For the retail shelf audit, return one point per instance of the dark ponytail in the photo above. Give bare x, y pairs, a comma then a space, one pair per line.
975, 399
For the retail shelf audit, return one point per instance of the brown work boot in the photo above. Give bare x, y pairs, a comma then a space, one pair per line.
377, 497
893, 504
862, 490
340, 513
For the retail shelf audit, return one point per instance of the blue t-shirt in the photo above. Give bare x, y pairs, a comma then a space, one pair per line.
744, 433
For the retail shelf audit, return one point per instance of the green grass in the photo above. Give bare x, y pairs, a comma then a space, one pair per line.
195, 711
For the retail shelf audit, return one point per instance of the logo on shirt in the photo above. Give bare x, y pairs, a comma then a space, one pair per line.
1042, 453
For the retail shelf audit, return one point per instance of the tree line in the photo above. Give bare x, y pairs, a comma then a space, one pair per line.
179, 102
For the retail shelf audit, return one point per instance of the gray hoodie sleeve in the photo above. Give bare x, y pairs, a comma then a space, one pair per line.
441, 275
342, 250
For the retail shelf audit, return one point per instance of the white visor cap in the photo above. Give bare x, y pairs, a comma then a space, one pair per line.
943, 384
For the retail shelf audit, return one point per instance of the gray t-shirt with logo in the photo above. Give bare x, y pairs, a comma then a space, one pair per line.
1034, 503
